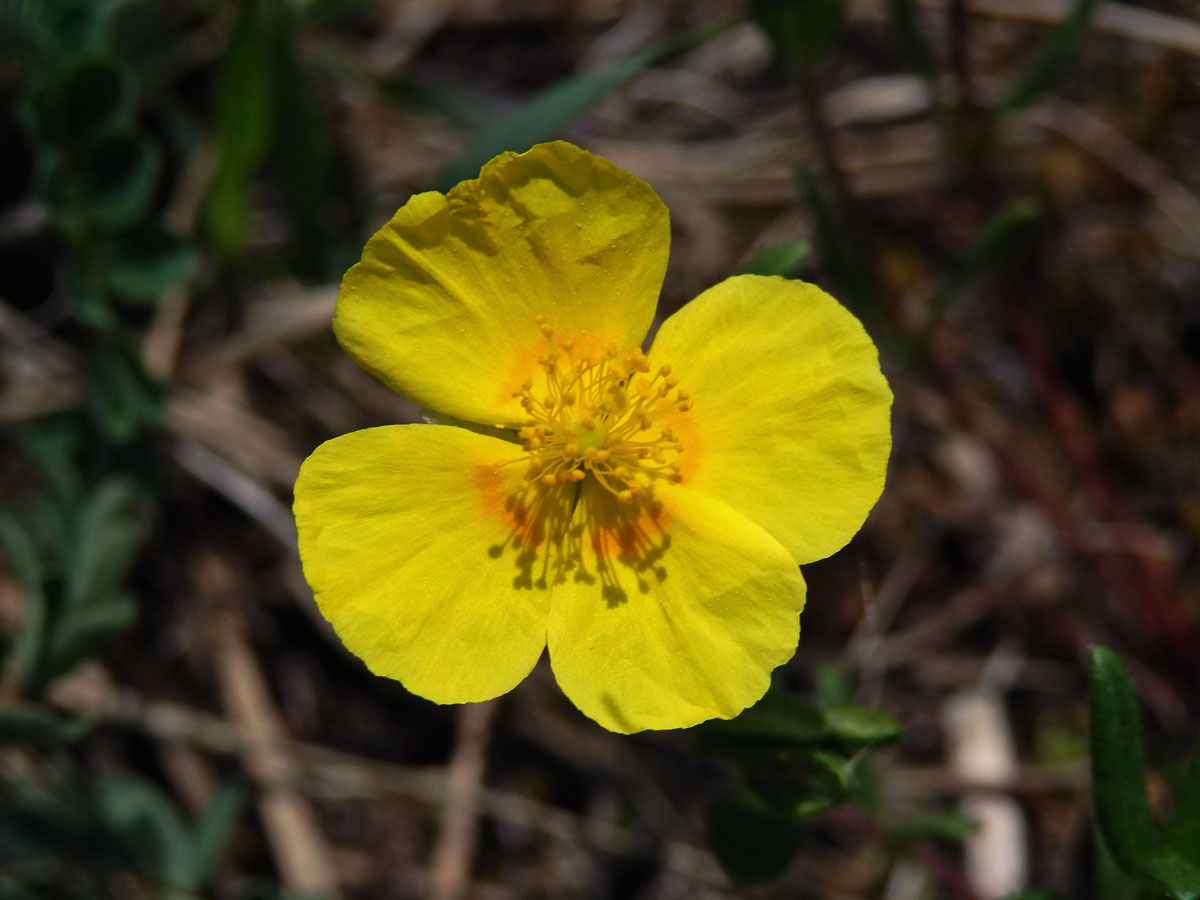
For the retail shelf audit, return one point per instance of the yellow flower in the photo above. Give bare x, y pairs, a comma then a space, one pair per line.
646, 519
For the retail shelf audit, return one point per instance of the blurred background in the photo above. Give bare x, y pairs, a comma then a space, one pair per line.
1004, 191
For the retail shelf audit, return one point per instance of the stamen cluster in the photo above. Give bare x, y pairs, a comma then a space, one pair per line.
599, 417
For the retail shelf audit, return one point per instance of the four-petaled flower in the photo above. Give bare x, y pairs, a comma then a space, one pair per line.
642, 515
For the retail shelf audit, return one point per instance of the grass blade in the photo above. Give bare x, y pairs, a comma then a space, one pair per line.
546, 115
1119, 764
1050, 59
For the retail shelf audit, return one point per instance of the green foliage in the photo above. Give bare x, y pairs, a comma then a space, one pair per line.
1050, 59
29, 723
546, 115
840, 253
910, 39
1119, 791
792, 761
800, 31
1182, 833
783, 259
267, 120
71, 559
303, 150
243, 122
998, 240
64, 837
156, 834
945, 826
753, 842
142, 265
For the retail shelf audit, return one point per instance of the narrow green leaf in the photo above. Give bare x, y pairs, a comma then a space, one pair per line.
546, 115
49, 444
25, 562
752, 842
861, 725
87, 631
146, 821
910, 38
1118, 764
996, 241
1050, 58
142, 265
783, 259
1182, 832
302, 149
839, 254
800, 31
211, 835
30, 723
21, 553
124, 399
946, 826
243, 121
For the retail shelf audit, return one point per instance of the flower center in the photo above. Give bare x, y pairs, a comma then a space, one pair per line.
599, 418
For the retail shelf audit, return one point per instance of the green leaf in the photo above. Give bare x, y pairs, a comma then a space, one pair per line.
21, 553
95, 95
123, 171
861, 725
800, 31
1177, 875
547, 115
31, 723
88, 630
946, 826
146, 822
1182, 832
49, 443
302, 150
831, 685
25, 562
910, 39
1119, 764
80, 97
1050, 58
783, 259
775, 727
124, 400
1000, 238
839, 253
142, 265
753, 843
243, 121
828, 782
211, 835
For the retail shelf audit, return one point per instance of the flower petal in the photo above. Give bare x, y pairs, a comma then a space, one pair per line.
676, 617
791, 424
399, 529
442, 305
